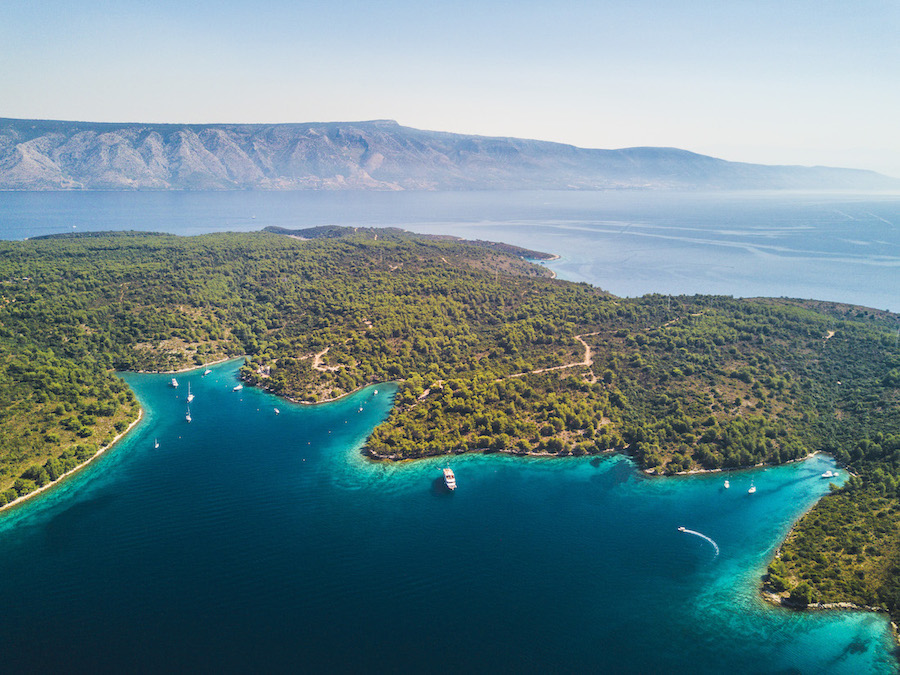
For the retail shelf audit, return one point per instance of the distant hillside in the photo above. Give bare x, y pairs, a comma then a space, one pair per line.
376, 155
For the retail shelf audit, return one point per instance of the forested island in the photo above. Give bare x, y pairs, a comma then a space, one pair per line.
491, 355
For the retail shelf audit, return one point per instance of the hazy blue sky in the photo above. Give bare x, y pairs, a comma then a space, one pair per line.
781, 81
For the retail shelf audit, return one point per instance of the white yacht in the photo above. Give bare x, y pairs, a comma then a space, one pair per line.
727, 484
190, 395
449, 478
175, 383
752, 488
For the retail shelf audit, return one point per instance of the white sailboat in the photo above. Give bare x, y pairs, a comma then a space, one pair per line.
206, 372
727, 484
190, 395
155, 443
188, 416
752, 488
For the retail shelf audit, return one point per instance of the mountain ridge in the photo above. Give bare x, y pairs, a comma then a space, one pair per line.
368, 155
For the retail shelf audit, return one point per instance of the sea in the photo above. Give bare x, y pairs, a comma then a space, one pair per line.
252, 540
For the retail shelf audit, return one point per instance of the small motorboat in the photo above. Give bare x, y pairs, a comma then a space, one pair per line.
727, 484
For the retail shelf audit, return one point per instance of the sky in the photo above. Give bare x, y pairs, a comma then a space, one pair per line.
773, 82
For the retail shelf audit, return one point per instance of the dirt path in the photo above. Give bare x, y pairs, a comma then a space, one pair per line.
588, 361
317, 362
588, 357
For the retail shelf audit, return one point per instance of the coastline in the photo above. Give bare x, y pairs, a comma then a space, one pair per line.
324, 400
692, 472
190, 368
79, 467
780, 600
552, 258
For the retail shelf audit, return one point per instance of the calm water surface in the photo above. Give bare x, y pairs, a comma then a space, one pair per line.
843, 247
250, 540
255, 541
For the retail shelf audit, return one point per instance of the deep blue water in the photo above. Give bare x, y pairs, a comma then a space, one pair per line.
843, 247
252, 541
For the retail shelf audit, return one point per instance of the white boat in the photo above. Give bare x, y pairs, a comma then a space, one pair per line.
829, 474
449, 478
190, 395
155, 443
206, 372
175, 383
727, 484
277, 411
752, 489
188, 416
238, 387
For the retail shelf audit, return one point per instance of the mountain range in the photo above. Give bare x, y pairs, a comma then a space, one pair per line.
373, 155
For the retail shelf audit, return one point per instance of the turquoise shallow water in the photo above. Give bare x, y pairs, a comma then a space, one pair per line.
255, 541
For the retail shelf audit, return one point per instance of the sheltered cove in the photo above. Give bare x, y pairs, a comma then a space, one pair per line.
685, 384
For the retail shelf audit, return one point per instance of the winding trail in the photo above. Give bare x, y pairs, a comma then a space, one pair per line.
588, 356
588, 361
317, 362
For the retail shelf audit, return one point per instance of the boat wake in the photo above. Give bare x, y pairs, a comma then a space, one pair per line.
702, 536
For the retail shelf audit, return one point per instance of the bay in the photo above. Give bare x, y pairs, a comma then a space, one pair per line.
251, 540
